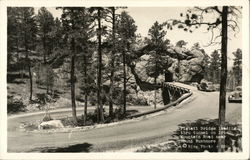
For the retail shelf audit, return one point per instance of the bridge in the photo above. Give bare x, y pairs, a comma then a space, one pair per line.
172, 94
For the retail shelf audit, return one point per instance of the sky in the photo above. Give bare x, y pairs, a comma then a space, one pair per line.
145, 17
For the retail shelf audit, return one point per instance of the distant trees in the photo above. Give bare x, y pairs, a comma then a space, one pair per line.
13, 32
214, 66
235, 73
237, 66
57, 35
206, 69
14, 41
22, 31
45, 22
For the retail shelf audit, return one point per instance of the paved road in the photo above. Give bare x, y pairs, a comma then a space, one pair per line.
132, 134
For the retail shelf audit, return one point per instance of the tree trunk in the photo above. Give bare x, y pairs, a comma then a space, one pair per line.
44, 49
178, 66
18, 58
44, 62
72, 83
99, 76
155, 93
239, 75
223, 81
111, 90
29, 65
214, 77
86, 92
31, 81
124, 82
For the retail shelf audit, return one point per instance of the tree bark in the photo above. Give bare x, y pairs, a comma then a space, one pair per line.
155, 93
223, 81
239, 73
31, 80
29, 65
124, 82
111, 90
18, 57
44, 48
86, 92
44, 61
72, 83
214, 77
99, 76
178, 66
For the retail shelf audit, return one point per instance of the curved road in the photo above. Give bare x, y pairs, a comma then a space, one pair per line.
152, 129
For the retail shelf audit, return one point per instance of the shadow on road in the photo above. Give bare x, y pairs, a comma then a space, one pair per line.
200, 135
84, 147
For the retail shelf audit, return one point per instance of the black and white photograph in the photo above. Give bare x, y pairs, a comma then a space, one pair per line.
125, 78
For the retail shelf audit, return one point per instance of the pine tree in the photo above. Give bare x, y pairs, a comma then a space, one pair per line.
86, 49
112, 61
13, 29
158, 43
126, 32
237, 66
111, 17
45, 22
74, 24
99, 14
28, 38
215, 63
207, 71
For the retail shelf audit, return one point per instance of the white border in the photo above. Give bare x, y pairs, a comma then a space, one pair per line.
131, 3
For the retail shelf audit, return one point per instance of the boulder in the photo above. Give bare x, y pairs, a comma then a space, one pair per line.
190, 67
183, 64
51, 124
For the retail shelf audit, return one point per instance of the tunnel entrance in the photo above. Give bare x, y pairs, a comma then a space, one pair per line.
168, 76
165, 91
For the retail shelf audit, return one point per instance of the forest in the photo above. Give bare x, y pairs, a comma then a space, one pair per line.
95, 57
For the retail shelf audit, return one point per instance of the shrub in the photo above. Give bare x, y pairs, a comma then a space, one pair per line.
118, 113
47, 117
15, 105
142, 101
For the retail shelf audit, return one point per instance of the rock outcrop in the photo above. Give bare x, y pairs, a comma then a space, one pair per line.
53, 124
185, 65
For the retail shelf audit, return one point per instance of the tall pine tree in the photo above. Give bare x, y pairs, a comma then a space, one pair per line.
28, 38
237, 66
126, 33
158, 43
73, 24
